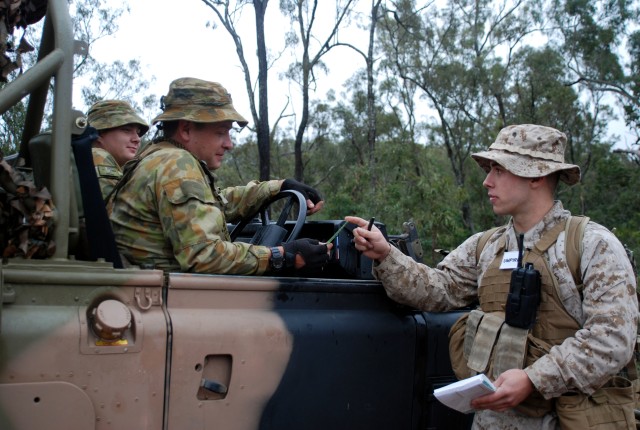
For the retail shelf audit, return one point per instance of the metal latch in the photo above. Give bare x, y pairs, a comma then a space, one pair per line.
147, 297
213, 386
8, 294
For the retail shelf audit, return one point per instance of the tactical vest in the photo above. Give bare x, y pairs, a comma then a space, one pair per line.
481, 342
492, 346
553, 324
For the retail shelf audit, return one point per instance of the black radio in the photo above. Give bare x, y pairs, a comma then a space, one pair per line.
524, 294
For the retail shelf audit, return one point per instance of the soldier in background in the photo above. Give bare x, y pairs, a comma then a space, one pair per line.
167, 212
564, 369
120, 129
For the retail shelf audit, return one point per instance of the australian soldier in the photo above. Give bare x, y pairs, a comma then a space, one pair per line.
568, 366
167, 211
119, 131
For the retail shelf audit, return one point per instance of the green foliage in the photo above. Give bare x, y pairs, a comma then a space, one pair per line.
448, 77
611, 197
11, 124
599, 40
240, 165
92, 20
631, 108
469, 65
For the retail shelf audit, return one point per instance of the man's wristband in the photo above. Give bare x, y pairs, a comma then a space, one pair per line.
277, 260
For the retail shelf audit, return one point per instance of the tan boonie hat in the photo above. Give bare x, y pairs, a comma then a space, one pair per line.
530, 151
107, 114
196, 100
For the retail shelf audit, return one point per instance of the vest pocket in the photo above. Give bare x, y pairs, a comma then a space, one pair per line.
610, 407
456, 348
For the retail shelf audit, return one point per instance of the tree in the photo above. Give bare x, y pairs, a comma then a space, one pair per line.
304, 15
474, 65
92, 20
459, 57
229, 14
538, 94
369, 59
600, 42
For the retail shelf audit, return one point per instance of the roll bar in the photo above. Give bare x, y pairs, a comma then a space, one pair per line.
55, 59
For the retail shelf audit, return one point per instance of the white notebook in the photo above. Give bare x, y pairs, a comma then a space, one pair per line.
459, 395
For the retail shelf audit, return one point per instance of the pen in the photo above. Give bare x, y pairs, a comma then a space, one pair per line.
371, 223
336, 233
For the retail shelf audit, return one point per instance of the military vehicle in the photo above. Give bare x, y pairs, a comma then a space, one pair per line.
88, 344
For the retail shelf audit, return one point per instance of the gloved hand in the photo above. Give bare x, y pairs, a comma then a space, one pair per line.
311, 251
309, 193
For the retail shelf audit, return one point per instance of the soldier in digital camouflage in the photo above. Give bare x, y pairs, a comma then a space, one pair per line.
120, 129
574, 367
168, 213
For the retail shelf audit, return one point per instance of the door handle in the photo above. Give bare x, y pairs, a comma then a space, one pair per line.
213, 386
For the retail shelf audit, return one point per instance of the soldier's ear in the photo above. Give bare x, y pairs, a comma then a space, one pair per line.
184, 129
535, 183
99, 143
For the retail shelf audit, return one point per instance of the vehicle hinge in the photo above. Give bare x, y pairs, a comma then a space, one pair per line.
147, 297
8, 294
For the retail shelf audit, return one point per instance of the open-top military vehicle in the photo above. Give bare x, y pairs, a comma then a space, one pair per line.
87, 344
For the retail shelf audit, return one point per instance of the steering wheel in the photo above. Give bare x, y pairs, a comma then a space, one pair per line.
274, 233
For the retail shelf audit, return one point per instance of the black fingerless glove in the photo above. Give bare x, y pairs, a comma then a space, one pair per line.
308, 192
312, 252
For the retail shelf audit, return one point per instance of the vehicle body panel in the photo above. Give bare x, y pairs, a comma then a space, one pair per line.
278, 334
45, 339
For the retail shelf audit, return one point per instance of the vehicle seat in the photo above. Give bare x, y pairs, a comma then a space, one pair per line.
91, 235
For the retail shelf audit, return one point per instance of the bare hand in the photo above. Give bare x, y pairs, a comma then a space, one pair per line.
513, 386
372, 243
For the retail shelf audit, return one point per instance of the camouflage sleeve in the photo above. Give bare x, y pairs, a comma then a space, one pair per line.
246, 200
196, 226
605, 343
107, 170
453, 284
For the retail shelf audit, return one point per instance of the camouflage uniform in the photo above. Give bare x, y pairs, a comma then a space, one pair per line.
607, 310
108, 171
168, 215
104, 115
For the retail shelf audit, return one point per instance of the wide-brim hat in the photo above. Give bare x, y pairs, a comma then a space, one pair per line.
107, 114
196, 100
530, 151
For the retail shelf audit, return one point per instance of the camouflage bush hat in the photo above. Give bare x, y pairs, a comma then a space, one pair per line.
196, 100
107, 114
530, 151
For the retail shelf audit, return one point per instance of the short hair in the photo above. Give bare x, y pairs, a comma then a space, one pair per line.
169, 128
554, 180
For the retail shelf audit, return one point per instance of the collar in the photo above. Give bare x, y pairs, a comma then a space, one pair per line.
556, 214
173, 142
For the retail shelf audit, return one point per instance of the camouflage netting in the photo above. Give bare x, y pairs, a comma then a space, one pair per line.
16, 13
26, 216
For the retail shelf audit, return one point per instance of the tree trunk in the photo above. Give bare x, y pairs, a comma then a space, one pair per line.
371, 96
262, 126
